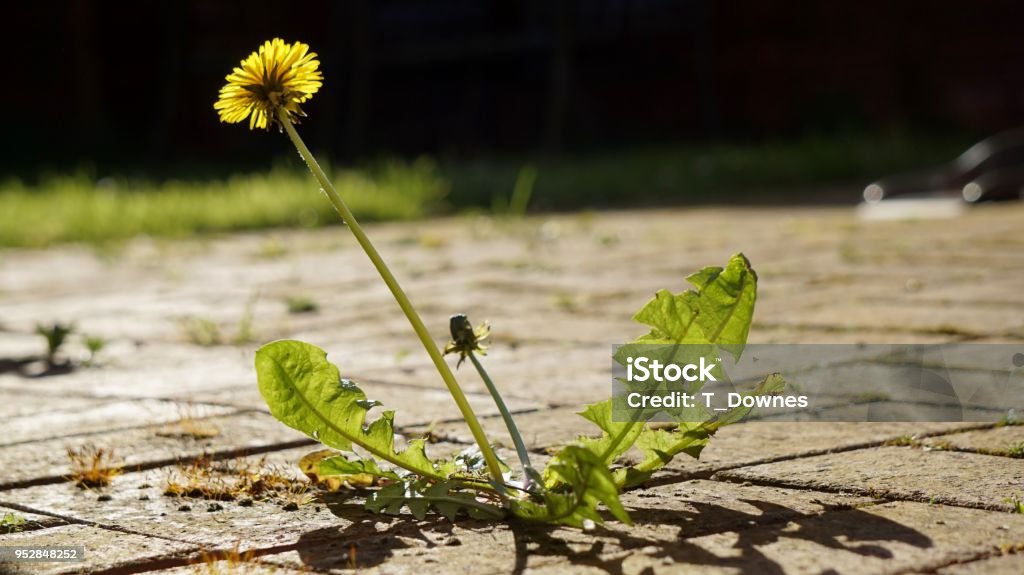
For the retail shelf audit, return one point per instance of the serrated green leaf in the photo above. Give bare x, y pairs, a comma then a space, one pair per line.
305, 391
725, 305
586, 482
659, 446
671, 318
338, 476
717, 312
616, 438
446, 497
340, 465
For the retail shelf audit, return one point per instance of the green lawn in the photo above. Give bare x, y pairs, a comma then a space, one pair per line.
78, 208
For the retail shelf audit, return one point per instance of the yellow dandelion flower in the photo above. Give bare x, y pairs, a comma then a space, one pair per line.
278, 76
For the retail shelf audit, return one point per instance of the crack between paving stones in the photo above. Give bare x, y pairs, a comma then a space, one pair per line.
237, 412
933, 567
70, 520
148, 465
412, 386
955, 336
193, 558
884, 496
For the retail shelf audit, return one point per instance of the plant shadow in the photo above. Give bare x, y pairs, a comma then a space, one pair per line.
34, 367
734, 539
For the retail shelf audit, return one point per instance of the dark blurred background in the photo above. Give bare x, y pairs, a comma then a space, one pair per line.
617, 102
133, 83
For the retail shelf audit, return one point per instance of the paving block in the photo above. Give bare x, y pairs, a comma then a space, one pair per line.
144, 446
95, 418
27, 402
899, 473
136, 501
105, 549
761, 441
997, 565
414, 405
664, 516
887, 538
1007, 440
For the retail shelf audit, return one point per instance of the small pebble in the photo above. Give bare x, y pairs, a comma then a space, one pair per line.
215, 507
185, 508
245, 503
453, 542
144, 498
104, 497
291, 506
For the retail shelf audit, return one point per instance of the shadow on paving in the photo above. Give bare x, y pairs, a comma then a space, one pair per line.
839, 528
34, 367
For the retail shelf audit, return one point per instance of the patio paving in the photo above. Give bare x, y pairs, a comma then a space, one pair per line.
174, 384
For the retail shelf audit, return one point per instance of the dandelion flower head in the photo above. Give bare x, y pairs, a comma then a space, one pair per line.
278, 76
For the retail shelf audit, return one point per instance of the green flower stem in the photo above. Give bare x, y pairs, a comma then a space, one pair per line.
403, 301
517, 439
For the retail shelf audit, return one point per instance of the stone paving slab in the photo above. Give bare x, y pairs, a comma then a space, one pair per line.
664, 515
252, 566
136, 502
1005, 440
965, 320
998, 565
750, 443
733, 446
558, 374
24, 402
105, 416
887, 538
33, 521
899, 472
559, 290
414, 405
148, 445
911, 383
105, 549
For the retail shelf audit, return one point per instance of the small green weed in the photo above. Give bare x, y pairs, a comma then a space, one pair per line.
94, 344
298, 304
202, 331
56, 335
12, 523
1015, 450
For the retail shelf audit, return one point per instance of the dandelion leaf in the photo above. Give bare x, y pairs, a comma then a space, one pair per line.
446, 497
306, 392
585, 482
717, 312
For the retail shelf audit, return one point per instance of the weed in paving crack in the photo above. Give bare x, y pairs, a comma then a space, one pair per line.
93, 466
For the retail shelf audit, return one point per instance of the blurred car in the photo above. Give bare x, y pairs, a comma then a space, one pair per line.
991, 170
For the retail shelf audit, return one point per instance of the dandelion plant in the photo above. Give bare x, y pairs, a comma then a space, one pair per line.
307, 392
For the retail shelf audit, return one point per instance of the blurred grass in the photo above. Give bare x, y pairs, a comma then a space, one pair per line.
79, 208
768, 173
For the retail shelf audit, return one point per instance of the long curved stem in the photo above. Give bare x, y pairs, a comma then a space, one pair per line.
493, 466
510, 424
